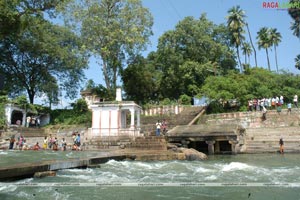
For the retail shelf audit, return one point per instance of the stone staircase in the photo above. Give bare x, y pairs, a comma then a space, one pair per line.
266, 139
150, 143
140, 143
183, 118
263, 136
107, 143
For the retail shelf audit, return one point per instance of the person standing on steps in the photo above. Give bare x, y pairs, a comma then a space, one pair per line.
289, 106
295, 101
281, 145
264, 111
158, 126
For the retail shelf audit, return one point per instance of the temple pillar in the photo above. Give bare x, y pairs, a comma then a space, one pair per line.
24, 119
132, 118
138, 118
211, 148
233, 145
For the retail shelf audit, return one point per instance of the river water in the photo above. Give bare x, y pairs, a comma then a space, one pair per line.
255, 176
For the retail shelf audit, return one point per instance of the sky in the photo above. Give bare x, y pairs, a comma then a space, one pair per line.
167, 13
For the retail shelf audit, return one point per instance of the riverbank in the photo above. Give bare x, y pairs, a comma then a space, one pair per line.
13, 166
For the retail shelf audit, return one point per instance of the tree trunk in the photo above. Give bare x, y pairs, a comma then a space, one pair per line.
254, 51
31, 96
276, 57
268, 59
249, 60
105, 73
238, 54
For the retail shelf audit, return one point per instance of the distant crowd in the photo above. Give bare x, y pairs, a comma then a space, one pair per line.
270, 103
50, 143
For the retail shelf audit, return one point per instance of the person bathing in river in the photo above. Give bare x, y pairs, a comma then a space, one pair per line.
36, 147
281, 145
63, 144
45, 143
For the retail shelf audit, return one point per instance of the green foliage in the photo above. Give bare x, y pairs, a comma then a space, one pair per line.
99, 90
294, 12
41, 55
186, 56
185, 99
112, 30
3, 101
166, 101
140, 81
78, 115
80, 106
69, 117
256, 83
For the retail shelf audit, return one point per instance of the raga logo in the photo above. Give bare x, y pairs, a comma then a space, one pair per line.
280, 5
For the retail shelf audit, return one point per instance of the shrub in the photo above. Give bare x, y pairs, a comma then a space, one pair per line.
185, 99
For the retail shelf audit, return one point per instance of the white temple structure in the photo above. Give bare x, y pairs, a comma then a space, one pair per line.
17, 116
115, 119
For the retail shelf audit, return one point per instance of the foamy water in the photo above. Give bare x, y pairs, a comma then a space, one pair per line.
173, 179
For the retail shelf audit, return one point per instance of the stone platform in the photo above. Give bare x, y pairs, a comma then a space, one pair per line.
28, 170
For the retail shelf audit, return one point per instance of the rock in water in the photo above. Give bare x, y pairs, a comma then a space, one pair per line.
44, 174
193, 154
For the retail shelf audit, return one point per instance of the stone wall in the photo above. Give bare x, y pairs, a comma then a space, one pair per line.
262, 136
254, 119
163, 110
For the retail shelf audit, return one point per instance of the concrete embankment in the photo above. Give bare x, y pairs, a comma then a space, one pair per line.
27, 170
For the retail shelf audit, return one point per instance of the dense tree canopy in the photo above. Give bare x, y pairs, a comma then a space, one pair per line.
255, 83
13, 13
140, 80
197, 48
38, 56
41, 55
112, 30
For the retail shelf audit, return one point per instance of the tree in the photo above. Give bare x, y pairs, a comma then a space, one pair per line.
297, 60
194, 50
112, 30
264, 41
99, 90
13, 13
294, 12
140, 80
235, 23
253, 48
42, 53
275, 39
254, 83
247, 50
296, 28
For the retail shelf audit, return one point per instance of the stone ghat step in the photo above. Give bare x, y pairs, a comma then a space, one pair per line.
283, 133
295, 128
255, 151
272, 145
26, 170
275, 139
270, 138
271, 141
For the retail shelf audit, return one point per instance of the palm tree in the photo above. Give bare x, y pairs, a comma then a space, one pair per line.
247, 51
296, 28
264, 42
254, 50
297, 60
275, 38
235, 24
